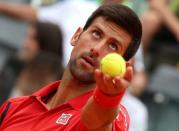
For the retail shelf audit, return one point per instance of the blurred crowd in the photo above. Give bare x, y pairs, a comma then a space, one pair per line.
37, 48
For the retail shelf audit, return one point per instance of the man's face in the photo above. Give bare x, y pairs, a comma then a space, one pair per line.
91, 45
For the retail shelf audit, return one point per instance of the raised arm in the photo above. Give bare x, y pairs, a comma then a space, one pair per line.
168, 17
20, 11
100, 111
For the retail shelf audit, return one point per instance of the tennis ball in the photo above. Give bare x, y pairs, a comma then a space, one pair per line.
113, 64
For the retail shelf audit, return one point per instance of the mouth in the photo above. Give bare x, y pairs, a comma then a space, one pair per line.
89, 60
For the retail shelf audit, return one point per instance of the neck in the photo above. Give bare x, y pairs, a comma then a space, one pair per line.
68, 89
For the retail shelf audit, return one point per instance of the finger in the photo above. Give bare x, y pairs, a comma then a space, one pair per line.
108, 82
116, 81
129, 73
121, 84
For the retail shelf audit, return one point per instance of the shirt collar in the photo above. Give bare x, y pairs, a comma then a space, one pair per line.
77, 103
45, 91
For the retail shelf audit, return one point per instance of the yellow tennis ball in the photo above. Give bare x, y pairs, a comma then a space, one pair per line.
113, 64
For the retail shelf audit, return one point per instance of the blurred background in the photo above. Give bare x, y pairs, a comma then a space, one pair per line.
35, 42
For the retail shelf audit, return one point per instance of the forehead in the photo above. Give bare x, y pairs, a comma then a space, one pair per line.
112, 30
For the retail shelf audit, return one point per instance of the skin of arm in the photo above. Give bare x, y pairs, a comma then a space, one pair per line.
23, 12
94, 111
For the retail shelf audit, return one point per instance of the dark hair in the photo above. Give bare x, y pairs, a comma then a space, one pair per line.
125, 18
45, 63
41, 70
50, 38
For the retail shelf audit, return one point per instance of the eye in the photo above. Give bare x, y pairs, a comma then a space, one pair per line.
96, 34
113, 46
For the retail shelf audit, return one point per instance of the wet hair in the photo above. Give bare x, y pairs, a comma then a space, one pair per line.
123, 17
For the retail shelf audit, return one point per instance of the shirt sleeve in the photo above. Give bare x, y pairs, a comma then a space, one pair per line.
121, 123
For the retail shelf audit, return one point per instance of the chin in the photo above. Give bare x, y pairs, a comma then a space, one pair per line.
84, 78
80, 74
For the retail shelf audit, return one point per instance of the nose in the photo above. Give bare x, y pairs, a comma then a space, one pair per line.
97, 48
94, 52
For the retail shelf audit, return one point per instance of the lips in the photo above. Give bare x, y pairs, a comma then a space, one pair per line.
90, 60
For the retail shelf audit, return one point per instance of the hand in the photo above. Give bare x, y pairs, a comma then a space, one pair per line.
113, 85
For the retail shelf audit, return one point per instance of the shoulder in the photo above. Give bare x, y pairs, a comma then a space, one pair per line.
17, 99
10, 106
13, 102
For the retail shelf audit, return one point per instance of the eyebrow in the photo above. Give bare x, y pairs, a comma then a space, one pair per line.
113, 39
98, 28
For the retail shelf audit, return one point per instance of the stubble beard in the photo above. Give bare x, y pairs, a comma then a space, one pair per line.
80, 74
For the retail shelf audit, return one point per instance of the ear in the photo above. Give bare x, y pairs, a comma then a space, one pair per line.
76, 36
